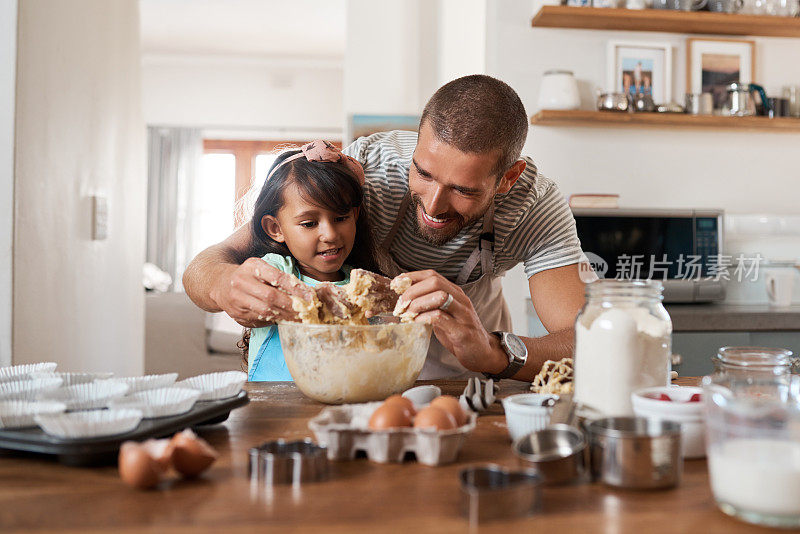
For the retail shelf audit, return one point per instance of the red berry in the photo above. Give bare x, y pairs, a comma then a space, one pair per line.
695, 397
664, 397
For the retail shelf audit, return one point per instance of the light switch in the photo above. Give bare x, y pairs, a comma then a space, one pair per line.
99, 217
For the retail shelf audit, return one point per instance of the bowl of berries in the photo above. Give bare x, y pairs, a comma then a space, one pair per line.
682, 404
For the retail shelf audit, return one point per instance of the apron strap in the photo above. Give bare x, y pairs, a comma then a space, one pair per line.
387, 241
483, 253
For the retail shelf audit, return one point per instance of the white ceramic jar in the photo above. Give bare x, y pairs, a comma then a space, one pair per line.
559, 90
622, 343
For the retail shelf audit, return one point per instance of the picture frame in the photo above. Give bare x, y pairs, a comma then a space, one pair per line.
642, 66
711, 64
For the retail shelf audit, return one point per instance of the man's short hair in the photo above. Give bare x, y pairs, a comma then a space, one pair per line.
479, 114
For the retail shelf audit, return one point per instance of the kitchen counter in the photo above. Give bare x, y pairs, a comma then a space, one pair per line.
733, 318
37, 494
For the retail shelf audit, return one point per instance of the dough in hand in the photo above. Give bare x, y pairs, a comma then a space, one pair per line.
366, 293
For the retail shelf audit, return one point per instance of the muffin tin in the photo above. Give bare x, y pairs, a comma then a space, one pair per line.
103, 450
344, 431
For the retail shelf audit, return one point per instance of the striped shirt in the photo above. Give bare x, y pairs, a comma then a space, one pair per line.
533, 223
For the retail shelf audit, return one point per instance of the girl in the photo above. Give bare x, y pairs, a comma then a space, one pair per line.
307, 221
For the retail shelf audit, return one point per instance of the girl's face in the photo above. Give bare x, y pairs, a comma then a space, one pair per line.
320, 240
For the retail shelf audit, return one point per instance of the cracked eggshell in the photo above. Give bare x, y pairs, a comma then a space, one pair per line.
191, 455
137, 467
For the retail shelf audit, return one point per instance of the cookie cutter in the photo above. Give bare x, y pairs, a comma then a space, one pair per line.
493, 492
288, 462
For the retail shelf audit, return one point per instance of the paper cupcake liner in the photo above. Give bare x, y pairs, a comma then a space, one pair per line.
19, 414
28, 389
215, 386
71, 379
161, 402
143, 383
17, 372
87, 396
97, 423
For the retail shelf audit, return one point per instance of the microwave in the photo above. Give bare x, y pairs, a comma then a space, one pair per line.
680, 248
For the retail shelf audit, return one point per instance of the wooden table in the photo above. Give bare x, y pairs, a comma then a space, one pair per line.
361, 496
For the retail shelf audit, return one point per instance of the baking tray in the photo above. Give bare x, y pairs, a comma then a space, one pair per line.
104, 450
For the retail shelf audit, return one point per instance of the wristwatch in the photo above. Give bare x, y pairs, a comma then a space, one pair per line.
517, 355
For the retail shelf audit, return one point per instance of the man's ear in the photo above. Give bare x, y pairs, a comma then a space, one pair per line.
510, 177
273, 228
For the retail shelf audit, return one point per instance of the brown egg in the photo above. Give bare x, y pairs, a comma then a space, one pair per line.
191, 455
451, 405
389, 415
136, 467
402, 401
160, 450
434, 417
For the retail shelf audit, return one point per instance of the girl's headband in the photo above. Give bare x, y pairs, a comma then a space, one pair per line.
324, 151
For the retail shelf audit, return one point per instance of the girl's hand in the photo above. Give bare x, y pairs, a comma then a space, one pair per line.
256, 294
457, 327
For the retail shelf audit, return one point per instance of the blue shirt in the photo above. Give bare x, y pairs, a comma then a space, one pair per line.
265, 362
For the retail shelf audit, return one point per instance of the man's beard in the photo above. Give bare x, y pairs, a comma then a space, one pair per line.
436, 237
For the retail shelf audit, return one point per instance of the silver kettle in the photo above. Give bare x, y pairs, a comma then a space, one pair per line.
739, 101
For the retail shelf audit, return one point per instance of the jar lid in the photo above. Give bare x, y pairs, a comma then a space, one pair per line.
558, 71
611, 287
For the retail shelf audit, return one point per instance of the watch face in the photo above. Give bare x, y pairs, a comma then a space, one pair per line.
516, 346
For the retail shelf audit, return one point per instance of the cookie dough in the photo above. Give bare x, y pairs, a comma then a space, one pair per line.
555, 378
399, 285
367, 294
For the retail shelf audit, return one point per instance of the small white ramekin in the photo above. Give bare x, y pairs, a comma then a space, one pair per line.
525, 413
690, 415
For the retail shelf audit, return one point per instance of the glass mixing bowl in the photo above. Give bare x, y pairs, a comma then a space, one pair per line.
338, 364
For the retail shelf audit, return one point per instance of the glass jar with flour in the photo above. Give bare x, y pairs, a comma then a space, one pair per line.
622, 343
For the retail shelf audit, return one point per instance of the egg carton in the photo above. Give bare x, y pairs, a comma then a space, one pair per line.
344, 431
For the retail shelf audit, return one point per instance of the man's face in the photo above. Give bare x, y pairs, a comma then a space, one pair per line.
450, 189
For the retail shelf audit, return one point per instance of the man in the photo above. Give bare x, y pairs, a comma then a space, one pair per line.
455, 208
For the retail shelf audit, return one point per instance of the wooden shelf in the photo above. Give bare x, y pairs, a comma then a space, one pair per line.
606, 119
661, 20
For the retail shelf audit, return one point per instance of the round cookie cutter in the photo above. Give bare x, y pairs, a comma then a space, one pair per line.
288, 462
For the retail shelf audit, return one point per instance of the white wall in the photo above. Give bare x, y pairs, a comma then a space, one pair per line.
234, 92
8, 67
462, 39
390, 56
79, 132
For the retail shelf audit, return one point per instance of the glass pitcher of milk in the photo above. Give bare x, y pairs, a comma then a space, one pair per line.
622, 343
753, 446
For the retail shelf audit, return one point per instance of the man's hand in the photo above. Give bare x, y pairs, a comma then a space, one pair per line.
255, 293
458, 328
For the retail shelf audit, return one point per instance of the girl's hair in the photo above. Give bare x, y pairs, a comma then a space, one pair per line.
328, 185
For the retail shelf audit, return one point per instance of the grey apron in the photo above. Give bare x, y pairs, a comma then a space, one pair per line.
486, 294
